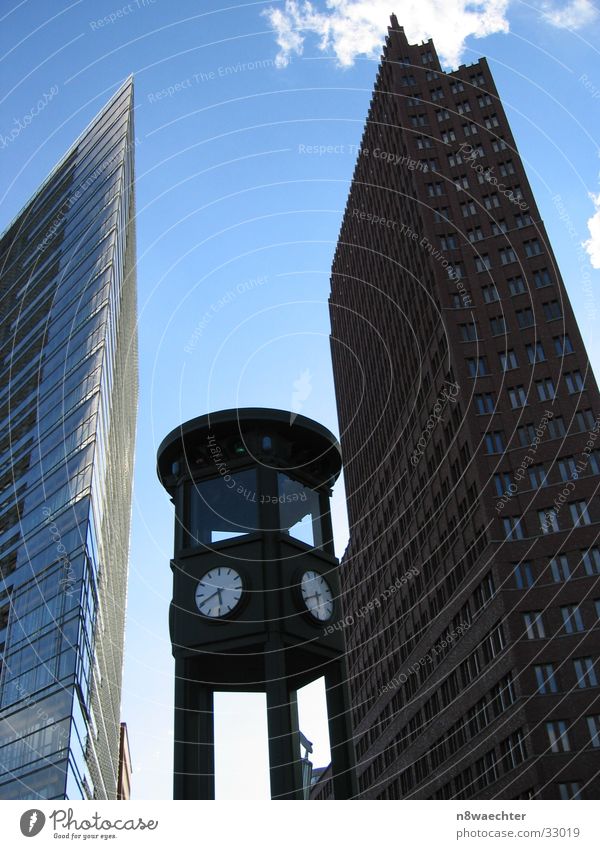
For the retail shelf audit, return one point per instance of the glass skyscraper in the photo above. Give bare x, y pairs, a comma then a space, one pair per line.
69, 400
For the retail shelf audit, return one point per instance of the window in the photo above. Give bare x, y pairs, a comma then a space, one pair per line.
523, 575
552, 310
431, 75
494, 442
470, 129
591, 561
507, 255
455, 270
542, 278
468, 332
574, 382
513, 751
491, 201
408, 80
469, 208
561, 571
525, 317
477, 79
595, 462
502, 481
461, 182
508, 360
483, 263
545, 679
534, 626
516, 285
441, 215
506, 168
448, 136
567, 468
490, 294
498, 325
476, 234
457, 302
463, 108
491, 121
518, 397
513, 527
418, 120
532, 247
435, 189
548, 521
217, 513
431, 164
454, 159
526, 434
499, 144
570, 790
558, 737
484, 592
585, 420
593, 724
423, 142
585, 672
545, 389
456, 87
538, 476
299, 513
484, 100
485, 403
448, 243
572, 619
486, 770
523, 220
478, 151
477, 366
426, 57
436, 94
579, 513
556, 427
442, 115
535, 353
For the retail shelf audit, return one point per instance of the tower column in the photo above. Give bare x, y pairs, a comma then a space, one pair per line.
282, 722
340, 732
194, 762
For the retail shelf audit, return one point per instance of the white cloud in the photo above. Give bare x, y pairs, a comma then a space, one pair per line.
352, 28
573, 15
592, 245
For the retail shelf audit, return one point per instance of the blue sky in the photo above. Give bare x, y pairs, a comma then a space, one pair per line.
237, 224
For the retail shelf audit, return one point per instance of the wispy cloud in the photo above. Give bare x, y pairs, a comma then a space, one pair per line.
302, 391
573, 15
592, 245
352, 28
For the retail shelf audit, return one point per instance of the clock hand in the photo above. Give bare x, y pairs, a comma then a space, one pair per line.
208, 598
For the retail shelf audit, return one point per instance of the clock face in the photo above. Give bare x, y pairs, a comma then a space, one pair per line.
317, 596
219, 591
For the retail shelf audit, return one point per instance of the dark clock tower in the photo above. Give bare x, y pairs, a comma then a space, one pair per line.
255, 586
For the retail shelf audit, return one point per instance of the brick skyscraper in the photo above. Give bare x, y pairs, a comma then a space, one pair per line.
469, 421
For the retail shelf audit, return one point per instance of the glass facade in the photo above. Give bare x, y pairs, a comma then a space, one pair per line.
68, 402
